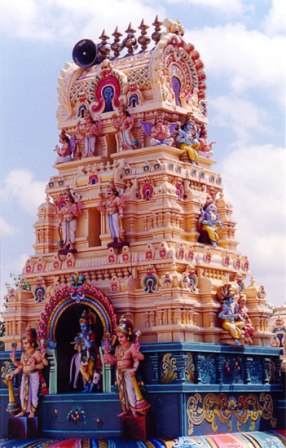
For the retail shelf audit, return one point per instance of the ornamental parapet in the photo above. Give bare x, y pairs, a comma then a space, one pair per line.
188, 367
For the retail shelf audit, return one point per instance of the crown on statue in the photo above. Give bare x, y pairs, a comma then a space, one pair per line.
87, 317
125, 326
226, 291
31, 335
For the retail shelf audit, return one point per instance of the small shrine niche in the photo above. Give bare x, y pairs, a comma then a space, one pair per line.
67, 328
94, 227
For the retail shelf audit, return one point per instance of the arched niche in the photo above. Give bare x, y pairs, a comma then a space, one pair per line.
59, 325
177, 75
66, 330
94, 227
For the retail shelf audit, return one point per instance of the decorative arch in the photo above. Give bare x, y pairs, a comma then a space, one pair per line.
66, 297
81, 111
116, 84
177, 74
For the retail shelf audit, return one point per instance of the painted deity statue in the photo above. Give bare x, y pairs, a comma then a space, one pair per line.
209, 224
124, 123
160, 132
89, 131
30, 365
64, 151
241, 314
85, 344
230, 320
188, 141
113, 205
205, 148
68, 210
126, 358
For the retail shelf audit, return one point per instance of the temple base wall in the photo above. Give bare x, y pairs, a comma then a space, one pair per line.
193, 389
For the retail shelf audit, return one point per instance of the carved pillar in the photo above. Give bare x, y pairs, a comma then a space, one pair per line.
278, 363
247, 366
220, 363
155, 363
198, 360
181, 359
52, 358
266, 362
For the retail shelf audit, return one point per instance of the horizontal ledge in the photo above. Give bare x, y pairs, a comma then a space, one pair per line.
205, 347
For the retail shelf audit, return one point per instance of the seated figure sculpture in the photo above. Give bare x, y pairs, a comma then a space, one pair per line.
205, 148
209, 223
126, 358
64, 151
230, 320
160, 132
241, 314
188, 141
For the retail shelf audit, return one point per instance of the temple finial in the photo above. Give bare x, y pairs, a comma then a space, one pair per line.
115, 46
104, 47
143, 40
130, 42
156, 36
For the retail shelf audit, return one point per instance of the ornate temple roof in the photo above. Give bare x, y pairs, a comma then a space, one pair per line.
168, 76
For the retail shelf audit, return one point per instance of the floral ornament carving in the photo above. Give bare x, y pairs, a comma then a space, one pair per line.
190, 368
77, 291
76, 415
39, 294
68, 77
6, 369
150, 280
207, 370
242, 409
169, 369
233, 369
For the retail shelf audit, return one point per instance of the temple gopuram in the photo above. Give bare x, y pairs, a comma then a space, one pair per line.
136, 320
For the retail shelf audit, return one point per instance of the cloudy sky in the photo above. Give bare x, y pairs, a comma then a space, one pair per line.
242, 44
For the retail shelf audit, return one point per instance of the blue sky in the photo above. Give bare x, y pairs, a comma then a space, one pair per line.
242, 44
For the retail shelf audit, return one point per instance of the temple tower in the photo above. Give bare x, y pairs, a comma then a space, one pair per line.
136, 223
161, 272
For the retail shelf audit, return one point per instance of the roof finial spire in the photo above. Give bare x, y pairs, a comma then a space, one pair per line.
156, 36
115, 46
143, 40
130, 42
104, 47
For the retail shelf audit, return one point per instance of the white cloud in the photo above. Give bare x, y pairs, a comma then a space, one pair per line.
68, 21
19, 263
6, 229
243, 59
18, 18
275, 21
254, 178
231, 7
20, 186
240, 115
